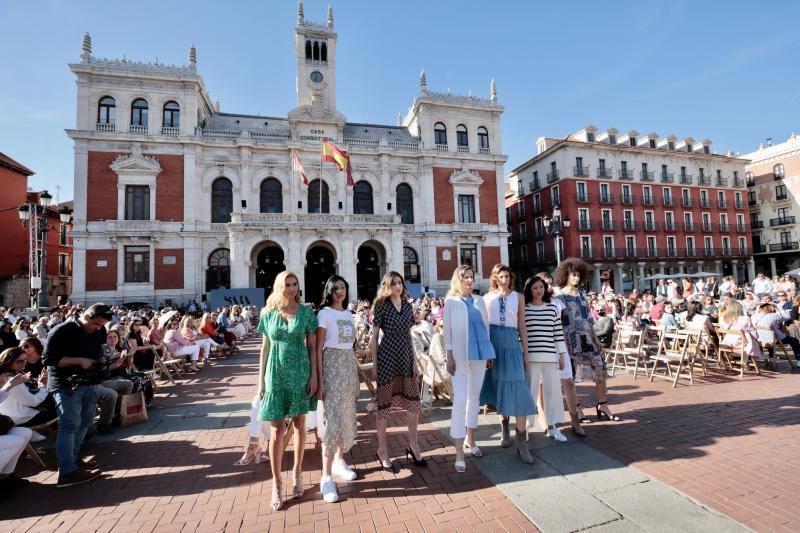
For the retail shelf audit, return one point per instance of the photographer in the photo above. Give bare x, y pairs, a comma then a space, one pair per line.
72, 357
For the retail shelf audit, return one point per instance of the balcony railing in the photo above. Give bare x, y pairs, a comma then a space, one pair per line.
647, 175
604, 173
628, 199
783, 246
583, 198
708, 228
705, 202
168, 130
629, 225
552, 176
667, 177
610, 253
535, 184
738, 204
667, 201
652, 252
105, 126
686, 179
625, 174
724, 228
783, 196
722, 204
441, 147
751, 183
781, 221
738, 182
462, 149
760, 249
703, 180
586, 224
741, 228
687, 202
587, 253
752, 201
688, 226
709, 252
138, 128
648, 200
722, 182
580, 172
609, 225
555, 202
606, 198
670, 226
537, 209
652, 226
757, 224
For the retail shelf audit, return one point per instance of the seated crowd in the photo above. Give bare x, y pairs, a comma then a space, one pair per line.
65, 373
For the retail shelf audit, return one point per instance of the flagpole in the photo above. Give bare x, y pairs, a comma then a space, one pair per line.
291, 162
319, 177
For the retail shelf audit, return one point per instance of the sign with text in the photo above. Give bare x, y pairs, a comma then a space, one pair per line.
227, 297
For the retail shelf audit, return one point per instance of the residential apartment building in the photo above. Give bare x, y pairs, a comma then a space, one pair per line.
631, 205
773, 182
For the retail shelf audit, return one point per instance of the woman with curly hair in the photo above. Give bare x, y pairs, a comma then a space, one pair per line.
585, 349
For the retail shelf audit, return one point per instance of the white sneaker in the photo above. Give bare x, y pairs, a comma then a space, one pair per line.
342, 469
37, 437
555, 433
328, 489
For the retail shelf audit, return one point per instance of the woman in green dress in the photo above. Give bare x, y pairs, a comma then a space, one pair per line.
288, 364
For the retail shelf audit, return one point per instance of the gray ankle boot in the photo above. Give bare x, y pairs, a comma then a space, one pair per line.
505, 440
522, 448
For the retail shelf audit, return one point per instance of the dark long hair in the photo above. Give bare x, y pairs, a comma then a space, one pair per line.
526, 292
330, 287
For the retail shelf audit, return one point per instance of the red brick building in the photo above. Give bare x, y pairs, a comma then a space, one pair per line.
14, 270
636, 205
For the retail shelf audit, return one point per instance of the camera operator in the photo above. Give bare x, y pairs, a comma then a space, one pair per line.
73, 357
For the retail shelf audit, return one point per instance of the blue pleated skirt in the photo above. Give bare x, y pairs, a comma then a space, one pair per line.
504, 386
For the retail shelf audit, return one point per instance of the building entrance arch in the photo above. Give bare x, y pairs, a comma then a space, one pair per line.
269, 262
371, 263
320, 265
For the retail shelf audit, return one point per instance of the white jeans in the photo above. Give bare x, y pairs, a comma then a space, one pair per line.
192, 350
206, 345
467, 383
548, 375
12, 444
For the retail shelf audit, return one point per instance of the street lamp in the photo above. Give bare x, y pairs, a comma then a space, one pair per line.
36, 215
554, 227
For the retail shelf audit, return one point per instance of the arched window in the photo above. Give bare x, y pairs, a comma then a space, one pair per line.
106, 110
308, 49
439, 133
271, 196
405, 203
777, 171
139, 112
318, 200
483, 138
218, 275
316, 51
221, 200
461, 135
410, 265
172, 115
362, 198
323, 52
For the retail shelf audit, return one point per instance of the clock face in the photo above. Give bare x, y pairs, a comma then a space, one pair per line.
316, 76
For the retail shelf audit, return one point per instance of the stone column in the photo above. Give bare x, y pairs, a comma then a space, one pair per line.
395, 259
680, 266
772, 267
596, 272
735, 268
751, 269
700, 266
640, 278
661, 265
294, 257
347, 267
240, 263
718, 269
620, 275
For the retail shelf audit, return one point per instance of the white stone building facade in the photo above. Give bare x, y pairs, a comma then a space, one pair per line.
174, 198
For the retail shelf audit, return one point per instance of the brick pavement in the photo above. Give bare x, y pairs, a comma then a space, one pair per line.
731, 444
185, 480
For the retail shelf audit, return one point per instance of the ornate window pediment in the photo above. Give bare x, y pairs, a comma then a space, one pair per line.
465, 177
136, 163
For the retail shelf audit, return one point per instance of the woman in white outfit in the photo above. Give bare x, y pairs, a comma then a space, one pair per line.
176, 343
190, 332
13, 443
469, 353
547, 352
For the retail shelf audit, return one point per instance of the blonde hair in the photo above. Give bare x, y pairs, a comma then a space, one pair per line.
278, 298
730, 311
385, 290
186, 324
496, 270
455, 280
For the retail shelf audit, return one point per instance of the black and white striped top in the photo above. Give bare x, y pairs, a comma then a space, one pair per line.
545, 334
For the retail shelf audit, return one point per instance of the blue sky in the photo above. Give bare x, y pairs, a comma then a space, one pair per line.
727, 71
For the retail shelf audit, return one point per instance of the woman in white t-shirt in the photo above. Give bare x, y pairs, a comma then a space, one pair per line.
338, 378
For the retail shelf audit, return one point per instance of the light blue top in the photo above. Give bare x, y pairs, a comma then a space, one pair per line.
480, 347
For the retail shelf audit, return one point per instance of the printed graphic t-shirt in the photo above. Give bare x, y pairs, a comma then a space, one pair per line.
340, 330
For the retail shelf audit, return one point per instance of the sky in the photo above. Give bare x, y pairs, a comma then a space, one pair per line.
722, 70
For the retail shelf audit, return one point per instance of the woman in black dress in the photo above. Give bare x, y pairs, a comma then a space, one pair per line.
395, 369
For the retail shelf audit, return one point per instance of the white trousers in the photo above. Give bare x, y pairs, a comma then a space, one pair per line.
192, 350
12, 444
239, 331
467, 383
549, 376
206, 345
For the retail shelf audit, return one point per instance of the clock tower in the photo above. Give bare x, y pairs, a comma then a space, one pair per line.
315, 48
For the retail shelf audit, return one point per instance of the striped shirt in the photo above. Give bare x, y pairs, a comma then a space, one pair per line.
545, 334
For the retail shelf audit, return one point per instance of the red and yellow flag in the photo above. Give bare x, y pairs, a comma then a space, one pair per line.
342, 159
298, 167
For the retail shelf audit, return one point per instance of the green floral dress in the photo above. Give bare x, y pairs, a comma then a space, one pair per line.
288, 368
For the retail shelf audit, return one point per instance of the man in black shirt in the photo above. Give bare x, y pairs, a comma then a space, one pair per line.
72, 358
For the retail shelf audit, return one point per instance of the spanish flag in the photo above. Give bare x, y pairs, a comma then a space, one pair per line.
342, 159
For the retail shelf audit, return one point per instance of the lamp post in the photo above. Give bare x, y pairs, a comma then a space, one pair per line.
36, 215
554, 227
